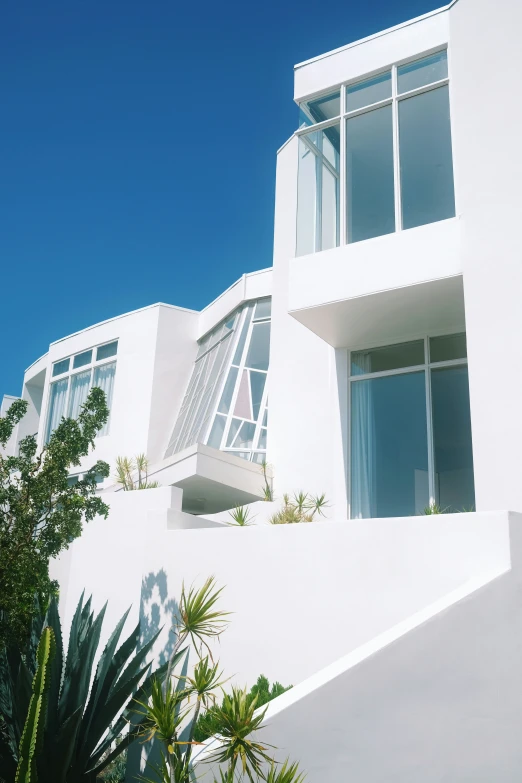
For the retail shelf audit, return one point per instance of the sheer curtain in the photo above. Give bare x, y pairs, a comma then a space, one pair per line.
104, 378
56, 405
80, 384
363, 446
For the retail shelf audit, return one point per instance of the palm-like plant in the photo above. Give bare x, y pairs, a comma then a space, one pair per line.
241, 517
86, 714
286, 773
126, 470
302, 507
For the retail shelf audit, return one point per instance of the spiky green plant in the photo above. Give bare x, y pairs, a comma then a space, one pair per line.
126, 470
286, 773
302, 507
434, 508
241, 517
87, 710
268, 494
32, 735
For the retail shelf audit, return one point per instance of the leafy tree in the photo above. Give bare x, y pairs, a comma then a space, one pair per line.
40, 512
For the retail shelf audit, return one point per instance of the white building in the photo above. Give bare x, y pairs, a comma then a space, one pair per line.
394, 294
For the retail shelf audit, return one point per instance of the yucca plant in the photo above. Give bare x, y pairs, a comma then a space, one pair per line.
241, 517
134, 473
286, 773
87, 710
302, 507
267, 488
434, 508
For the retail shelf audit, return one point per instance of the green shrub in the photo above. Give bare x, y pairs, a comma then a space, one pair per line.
302, 507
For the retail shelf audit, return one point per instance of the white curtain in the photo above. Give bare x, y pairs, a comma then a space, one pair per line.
104, 378
363, 451
80, 385
57, 397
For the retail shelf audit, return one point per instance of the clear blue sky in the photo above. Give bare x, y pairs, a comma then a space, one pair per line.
138, 143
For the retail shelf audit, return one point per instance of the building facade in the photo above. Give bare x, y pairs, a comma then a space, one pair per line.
359, 366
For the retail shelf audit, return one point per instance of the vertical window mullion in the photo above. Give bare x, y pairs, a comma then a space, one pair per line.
396, 152
429, 422
343, 239
319, 194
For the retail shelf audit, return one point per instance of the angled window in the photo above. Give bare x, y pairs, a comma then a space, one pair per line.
225, 405
69, 393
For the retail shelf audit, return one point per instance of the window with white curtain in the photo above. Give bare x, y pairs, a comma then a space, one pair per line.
67, 394
225, 405
383, 145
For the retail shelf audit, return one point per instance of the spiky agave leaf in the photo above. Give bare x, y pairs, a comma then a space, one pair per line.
286, 773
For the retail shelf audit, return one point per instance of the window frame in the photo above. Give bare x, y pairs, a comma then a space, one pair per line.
427, 368
393, 101
72, 372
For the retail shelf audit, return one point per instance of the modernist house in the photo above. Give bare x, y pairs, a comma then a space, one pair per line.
378, 361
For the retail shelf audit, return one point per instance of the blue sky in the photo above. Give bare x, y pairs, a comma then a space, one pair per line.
138, 145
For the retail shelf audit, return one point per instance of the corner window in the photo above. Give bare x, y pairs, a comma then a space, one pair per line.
390, 156
68, 394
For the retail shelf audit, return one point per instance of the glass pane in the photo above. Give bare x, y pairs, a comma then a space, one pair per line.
392, 357
262, 440
257, 387
241, 454
82, 359
370, 175
245, 436
72, 480
426, 158
389, 449
421, 72
265, 418
263, 309
259, 457
242, 339
105, 351
373, 90
318, 191
104, 378
226, 397
444, 349
454, 483
61, 367
80, 385
57, 395
235, 424
259, 348
216, 433
325, 108
243, 406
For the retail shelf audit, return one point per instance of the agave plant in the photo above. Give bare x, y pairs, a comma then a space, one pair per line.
86, 711
241, 517
302, 507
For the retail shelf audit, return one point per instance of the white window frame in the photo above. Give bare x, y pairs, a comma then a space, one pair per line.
426, 367
393, 101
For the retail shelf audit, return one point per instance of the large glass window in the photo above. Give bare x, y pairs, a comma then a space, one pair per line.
410, 429
68, 394
226, 401
391, 135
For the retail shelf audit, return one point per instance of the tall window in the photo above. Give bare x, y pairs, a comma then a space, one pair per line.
385, 143
75, 376
411, 429
225, 405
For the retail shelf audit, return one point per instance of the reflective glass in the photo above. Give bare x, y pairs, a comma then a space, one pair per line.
235, 424
391, 357
226, 397
216, 433
243, 406
104, 379
259, 348
257, 387
325, 108
245, 436
454, 482
60, 367
370, 175
373, 90
263, 309
389, 449
57, 396
259, 457
422, 72
242, 339
318, 191
82, 359
262, 440
426, 158
451, 346
105, 351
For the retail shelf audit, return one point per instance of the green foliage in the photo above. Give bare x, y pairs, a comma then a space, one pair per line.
40, 513
240, 516
115, 771
267, 488
434, 508
127, 468
302, 507
208, 723
32, 735
87, 710
286, 773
